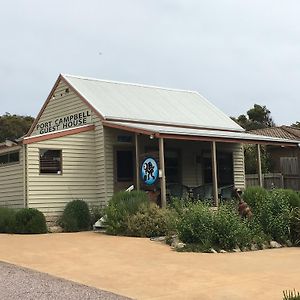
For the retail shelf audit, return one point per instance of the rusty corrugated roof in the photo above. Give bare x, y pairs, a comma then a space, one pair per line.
284, 132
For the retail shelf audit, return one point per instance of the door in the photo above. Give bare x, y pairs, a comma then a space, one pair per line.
123, 168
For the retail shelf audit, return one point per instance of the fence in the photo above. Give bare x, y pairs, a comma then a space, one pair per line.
275, 180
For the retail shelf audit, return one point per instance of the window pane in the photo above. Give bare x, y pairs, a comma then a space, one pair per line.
124, 165
50, 161
3, 159
14, 157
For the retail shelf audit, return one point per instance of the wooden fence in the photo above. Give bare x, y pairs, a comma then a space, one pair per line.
275, 180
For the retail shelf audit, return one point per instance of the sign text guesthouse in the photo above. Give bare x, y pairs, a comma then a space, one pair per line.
65, 122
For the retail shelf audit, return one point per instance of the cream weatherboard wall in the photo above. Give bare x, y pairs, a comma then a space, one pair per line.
79, 180
83, 159
12, 182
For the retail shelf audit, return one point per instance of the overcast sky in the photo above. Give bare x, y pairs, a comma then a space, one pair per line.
234, 52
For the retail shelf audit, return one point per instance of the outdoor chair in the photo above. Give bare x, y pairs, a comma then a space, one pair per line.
202, 192
226, 192
178, 190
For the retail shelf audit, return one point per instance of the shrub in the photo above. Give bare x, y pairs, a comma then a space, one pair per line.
30, 220
150, 222
295, 226
7, 220
121, 207
229, 230
271, 211
291, 196
255, 196
195, 225
291, 295
76, 216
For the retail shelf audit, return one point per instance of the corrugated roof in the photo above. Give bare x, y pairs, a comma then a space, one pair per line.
200, 133
285, 132
127, 102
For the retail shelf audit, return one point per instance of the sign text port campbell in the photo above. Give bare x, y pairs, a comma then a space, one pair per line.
65, 122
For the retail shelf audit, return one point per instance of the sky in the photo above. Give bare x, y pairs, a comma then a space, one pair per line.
234, 52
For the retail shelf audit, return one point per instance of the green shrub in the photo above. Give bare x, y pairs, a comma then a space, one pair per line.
150, 221
195, 225
7, 220
291, 295
76, 216
229, 230
30, 220
295, 226
254, 196
120, 208
291, 196
271, 211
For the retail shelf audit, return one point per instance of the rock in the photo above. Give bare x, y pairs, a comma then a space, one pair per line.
180, 245
245, 249
254, 247
223, 251
289, 243
264, 246
274, 244
158, 239
236, 249
55, 229
212, 250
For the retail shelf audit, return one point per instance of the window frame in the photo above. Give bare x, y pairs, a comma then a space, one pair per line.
61, 161
9, 163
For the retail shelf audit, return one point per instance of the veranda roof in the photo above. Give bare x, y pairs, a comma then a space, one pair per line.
183, 133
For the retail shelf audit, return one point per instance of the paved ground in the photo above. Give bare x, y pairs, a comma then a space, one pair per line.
141, 269
19, 283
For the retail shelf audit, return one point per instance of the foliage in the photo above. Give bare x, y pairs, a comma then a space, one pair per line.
7, 220
291, 295
250, 152
257, 117
121, 207
14, 126
150, 221
97, 212
295, 226
76, 216
271, 211
230, 231
202, 228
30, 220
292, 197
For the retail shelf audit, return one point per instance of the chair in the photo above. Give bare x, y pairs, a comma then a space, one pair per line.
178, 190
202, 192
226, 192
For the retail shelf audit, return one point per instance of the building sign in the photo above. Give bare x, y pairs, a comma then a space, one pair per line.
149, 171
65, 122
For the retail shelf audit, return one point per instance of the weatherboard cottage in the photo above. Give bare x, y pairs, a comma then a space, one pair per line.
94, 137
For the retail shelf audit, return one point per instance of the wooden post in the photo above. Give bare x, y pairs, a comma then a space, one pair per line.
163, 195
214, 173
259, 171
137, 162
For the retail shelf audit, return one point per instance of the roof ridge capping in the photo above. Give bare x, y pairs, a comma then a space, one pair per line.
131, 83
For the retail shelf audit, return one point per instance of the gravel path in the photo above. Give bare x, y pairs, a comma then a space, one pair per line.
25, 284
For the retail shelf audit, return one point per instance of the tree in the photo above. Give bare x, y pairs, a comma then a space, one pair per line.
257, 117
14, 126
296, 125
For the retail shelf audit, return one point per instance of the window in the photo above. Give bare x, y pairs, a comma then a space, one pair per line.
9, 158
225, 168
172, 168
50, 161
124, 165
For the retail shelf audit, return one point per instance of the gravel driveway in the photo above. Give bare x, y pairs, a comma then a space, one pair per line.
25, 284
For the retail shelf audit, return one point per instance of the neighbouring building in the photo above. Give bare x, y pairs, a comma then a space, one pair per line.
94, 137
284, 160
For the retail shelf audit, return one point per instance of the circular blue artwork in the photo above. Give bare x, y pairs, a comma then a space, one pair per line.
149, 171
